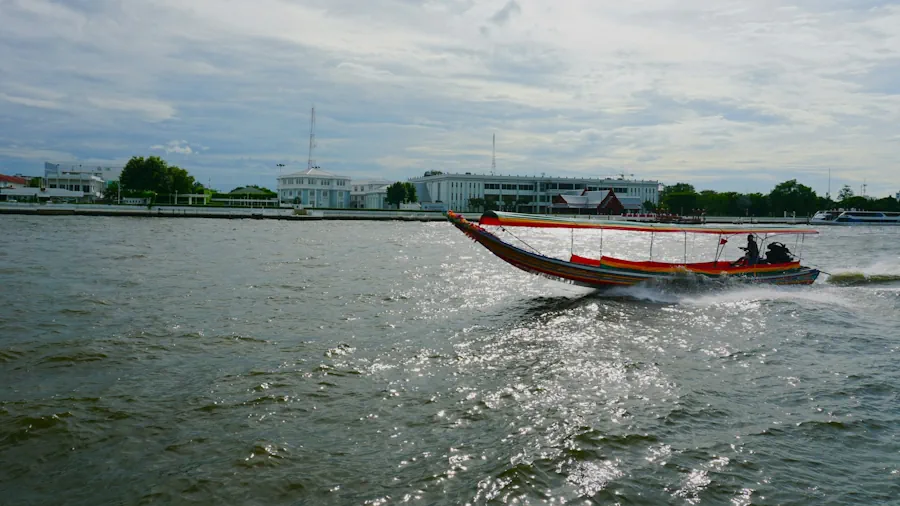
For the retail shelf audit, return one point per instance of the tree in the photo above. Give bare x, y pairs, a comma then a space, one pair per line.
155, 175
676, 188
681, 202
476, 203
790, 196
409, 190
858, 202
649, 206
825, 203
180, 180
889, 204
111, 192
145, 174
396, 194
845, 193
759, 204
35, 182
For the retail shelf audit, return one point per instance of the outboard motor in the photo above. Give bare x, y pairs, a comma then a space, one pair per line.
778, 253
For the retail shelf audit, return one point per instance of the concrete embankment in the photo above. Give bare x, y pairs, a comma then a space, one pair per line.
237, 213
232, 213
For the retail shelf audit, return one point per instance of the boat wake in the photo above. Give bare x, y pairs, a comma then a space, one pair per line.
881, 272
708, 294
861, 278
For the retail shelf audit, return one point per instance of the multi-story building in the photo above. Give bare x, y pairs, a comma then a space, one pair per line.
314, 188
88, 184
106, 173
360, 189
528, 194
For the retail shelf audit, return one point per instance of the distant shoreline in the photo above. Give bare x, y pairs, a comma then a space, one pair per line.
246, 213
215, 213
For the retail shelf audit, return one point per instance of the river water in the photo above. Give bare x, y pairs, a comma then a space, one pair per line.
160, 361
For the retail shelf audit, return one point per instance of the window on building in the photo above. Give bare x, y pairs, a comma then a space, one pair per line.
566, 186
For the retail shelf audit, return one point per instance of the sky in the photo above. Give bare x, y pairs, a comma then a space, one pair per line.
726, 95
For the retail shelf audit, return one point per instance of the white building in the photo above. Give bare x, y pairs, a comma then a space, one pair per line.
41, 194
90, 186
359, 190
104, 172
376, 198
530, 194
314, 188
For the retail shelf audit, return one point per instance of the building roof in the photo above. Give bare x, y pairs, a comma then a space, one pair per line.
13, 179
378, 189
587, 199
248, 190
313, 172
546, 178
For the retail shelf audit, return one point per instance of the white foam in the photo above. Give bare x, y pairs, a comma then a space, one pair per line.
731, 295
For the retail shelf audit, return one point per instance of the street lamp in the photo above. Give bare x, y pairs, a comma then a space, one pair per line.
280, 165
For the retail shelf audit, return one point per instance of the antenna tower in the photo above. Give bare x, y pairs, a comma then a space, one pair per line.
310, 164
493, 153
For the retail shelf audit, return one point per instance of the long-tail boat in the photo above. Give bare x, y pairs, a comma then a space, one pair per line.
779, 266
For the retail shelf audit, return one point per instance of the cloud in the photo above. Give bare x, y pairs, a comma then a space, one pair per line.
508, 11
689, 90
176, 147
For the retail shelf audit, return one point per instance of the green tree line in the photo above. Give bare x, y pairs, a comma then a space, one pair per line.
787, 197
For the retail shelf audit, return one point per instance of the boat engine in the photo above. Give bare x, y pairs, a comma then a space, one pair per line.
778, 253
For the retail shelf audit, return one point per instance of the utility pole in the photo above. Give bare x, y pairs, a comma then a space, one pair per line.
493, 153
312, 137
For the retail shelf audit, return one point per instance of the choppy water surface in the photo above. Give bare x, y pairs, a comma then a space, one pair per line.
162, 361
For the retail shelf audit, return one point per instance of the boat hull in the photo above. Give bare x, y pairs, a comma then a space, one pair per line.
605, 275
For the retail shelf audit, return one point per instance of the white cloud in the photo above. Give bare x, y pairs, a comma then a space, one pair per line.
30, 102
152, 110
176, 147
663, 89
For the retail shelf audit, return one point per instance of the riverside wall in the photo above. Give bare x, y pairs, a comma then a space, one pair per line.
312, 214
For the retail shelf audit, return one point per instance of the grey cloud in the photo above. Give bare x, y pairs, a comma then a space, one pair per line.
503, 16
119, 86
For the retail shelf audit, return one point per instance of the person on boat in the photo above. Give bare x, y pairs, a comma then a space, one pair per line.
751, 257
752, 250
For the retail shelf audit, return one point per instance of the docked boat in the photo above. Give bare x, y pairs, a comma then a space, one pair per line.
779, 266
855, 218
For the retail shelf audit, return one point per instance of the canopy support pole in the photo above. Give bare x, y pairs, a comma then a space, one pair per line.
800, 253
601, 242
719, 246
685, 247
651, 246
572, 247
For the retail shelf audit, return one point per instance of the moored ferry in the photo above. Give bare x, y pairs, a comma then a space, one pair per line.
855, 218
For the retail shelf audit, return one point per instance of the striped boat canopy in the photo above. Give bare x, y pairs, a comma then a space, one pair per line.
506, 219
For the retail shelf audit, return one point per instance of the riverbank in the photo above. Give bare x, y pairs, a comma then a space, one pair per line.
228, 213
237, 213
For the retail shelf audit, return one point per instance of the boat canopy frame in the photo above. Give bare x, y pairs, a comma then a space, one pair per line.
508, 219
